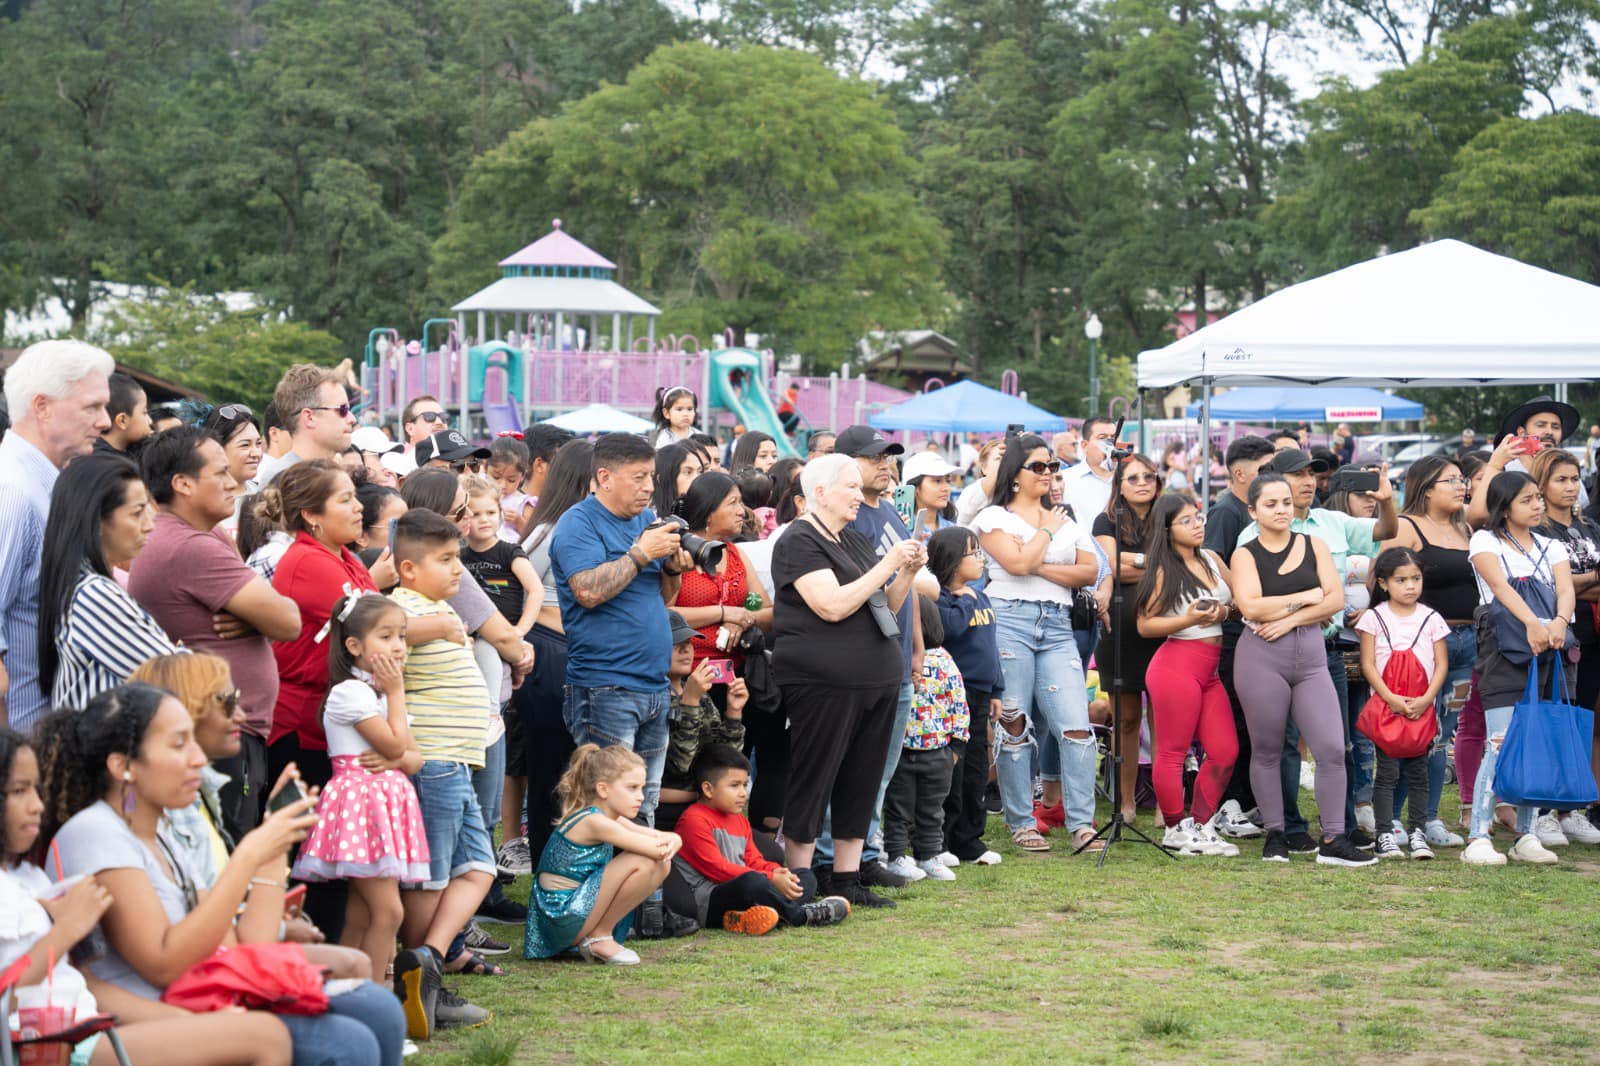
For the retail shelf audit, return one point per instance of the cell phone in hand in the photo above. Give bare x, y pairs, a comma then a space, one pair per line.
293, 900
1529, 445
720, 671
1206, 603
290, 794
1362, 480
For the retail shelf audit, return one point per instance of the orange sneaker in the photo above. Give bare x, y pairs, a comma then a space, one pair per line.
756, 921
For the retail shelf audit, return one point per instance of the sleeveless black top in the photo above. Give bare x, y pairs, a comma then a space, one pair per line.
1268, 563
1449, 584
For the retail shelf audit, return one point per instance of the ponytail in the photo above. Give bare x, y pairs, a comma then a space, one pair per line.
590, 765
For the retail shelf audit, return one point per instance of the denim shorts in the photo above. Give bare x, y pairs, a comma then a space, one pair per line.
458, 842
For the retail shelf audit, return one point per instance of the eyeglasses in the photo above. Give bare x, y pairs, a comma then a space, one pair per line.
229, 701
1190, 521
1458, 480
343, 410
459, 513
1043, 468
430, 416
976, 553
1140, 479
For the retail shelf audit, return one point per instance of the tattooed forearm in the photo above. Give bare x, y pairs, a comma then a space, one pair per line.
591, 588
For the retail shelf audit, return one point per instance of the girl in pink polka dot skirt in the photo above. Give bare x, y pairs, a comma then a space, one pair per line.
369, 827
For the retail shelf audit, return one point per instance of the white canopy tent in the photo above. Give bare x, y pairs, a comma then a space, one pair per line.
1441, 314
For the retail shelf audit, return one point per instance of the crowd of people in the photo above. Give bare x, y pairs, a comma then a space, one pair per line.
273, 685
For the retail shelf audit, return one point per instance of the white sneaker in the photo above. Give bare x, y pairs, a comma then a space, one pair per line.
947, 858
1440, 837
1386, 848
1308, 776
1548, 830
907, 867
1419, 845
935, 870
1213, 842
1529, 848
1578, 828
1179, 840
988, 858
1364, 818
1230, 821
1479, 852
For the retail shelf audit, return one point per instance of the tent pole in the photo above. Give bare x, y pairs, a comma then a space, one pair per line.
1205, 442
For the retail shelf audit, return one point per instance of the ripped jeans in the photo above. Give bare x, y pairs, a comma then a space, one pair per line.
1496, 720
1044, 680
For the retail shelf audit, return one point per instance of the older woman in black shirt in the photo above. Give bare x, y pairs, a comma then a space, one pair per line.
838, 662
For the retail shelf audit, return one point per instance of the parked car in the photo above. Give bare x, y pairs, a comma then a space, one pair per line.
1402, 459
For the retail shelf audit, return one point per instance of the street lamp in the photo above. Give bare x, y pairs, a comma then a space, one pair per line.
1093, 330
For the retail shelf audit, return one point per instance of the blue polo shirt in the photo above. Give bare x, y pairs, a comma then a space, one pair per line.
626, 641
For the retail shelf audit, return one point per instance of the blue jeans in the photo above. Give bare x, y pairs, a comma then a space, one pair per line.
489, 783
457, 841
1049, 755
870, 851
1289, 766
1495, 721
362, 1027
1044, 680
1462, 647
637, 720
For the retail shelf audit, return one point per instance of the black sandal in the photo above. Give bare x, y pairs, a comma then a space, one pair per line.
475, 966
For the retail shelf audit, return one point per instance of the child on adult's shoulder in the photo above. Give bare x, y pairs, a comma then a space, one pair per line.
734, 886
369, 827
694, 722
599, 865
935, 736
509, 467
501, 568
967, 619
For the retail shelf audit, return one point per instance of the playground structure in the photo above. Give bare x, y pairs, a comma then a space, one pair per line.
534, 347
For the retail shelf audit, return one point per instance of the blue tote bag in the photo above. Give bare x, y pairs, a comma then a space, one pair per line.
1544, 759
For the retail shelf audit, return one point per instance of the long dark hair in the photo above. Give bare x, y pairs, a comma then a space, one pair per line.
566, 485
705, 495
432, 489
1131, 529
948, 512
783, 471
1164, 563
1421, 477
11, 742
669, 461
744, 453
1018, 449
1503, 488
365, 612
221, 423
946, 549
86, 494
73, 747
1383, 567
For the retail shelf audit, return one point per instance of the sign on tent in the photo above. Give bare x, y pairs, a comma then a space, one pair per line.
1353, 414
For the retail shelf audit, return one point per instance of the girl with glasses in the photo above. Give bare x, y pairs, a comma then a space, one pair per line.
1122, 650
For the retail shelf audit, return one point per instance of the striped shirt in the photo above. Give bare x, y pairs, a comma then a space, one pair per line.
445, 693
103, 637
26, 480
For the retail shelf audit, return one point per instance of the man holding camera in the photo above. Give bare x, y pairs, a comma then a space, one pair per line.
615, 569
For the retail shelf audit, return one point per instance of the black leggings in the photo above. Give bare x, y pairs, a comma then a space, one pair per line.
756, 890
964, 816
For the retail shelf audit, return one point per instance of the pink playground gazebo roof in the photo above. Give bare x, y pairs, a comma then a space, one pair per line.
556, 249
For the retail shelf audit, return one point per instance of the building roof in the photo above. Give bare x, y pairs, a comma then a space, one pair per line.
547, 295
922, 351
557, 249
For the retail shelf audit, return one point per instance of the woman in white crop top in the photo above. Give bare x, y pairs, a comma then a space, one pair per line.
1184, 597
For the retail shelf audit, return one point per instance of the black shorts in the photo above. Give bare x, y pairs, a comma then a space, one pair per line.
516, 747
838, 746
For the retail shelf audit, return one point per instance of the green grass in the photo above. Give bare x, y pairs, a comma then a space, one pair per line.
1047, 959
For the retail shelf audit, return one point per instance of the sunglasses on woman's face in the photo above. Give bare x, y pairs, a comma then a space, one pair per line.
1140, 479
1043, 468
229, 701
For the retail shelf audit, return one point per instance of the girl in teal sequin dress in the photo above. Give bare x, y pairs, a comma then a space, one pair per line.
598, 865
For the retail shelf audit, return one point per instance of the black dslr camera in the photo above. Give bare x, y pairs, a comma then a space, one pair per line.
707, 554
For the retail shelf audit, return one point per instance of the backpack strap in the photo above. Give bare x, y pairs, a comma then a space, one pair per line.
1420, 628
1387, 639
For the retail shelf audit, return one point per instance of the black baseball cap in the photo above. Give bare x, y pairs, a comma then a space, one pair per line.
1292, 461
449, 445
866, 442
681, 630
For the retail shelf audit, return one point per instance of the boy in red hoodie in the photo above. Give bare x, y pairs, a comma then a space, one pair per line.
733, 885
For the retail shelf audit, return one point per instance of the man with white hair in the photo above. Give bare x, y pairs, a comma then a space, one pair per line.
57, 394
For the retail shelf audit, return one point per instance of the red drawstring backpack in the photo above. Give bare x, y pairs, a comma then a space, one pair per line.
271, 977
1394, 734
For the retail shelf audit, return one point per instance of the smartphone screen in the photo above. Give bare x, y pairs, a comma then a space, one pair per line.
721, 671
290, 793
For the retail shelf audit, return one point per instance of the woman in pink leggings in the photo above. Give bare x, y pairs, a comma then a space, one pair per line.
1184, 597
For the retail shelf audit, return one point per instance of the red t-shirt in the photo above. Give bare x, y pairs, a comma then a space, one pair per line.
700, 589
313, 577
185, 575
719, 846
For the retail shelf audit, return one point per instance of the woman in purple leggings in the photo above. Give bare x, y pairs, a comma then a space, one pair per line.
1286, 587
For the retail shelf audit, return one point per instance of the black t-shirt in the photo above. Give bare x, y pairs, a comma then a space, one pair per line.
1582, 541
492, 571
850, 653
1227, 518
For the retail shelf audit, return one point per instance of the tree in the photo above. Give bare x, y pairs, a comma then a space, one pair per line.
750, 188
1527, 188
227, 355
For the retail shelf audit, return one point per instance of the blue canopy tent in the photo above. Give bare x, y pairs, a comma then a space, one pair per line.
1343, 403
966, 407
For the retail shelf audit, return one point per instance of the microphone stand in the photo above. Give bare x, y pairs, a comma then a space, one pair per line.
1112, 831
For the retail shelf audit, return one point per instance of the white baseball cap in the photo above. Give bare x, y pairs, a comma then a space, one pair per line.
400, 464
372, 439
925, 464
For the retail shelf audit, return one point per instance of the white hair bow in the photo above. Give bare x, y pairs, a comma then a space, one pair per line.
350, 596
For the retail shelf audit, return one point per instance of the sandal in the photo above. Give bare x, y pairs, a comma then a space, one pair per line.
470, 964
1087, 835
1030, 840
